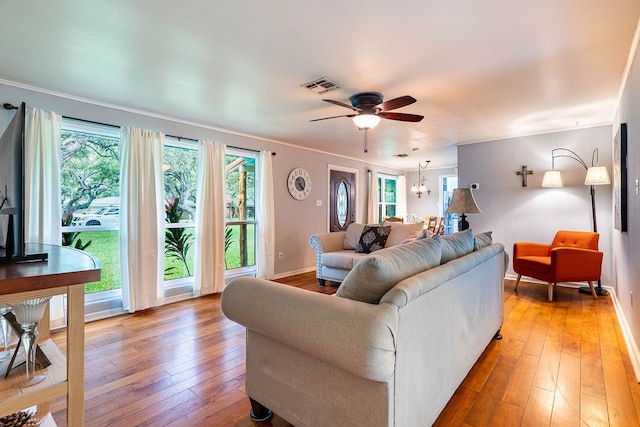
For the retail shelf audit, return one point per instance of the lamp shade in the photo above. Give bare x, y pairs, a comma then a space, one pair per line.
463, 202
366, 121
552, 178
597, 175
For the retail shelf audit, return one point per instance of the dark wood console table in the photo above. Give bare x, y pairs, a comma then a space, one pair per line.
65, 272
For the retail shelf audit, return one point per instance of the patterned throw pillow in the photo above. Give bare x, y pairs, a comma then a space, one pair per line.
372, 238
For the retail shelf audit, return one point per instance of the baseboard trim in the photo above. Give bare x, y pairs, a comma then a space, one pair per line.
632, 346
294, 272
527, 279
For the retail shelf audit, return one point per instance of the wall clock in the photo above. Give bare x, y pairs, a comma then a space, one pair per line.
299, 183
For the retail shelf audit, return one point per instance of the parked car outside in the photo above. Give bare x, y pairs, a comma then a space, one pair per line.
109, 216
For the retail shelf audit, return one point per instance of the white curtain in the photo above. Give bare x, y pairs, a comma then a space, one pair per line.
401, 197
42, 177
210, 219
372, 198
142, 216
42, 187
265, 229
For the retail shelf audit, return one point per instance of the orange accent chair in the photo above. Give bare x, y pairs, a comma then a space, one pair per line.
573, 256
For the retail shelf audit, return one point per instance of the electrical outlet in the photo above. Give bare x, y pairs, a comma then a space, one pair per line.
280, 255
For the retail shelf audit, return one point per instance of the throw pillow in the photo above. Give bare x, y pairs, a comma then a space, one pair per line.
374, 275
482, 240
456, 245
401, 232
425, 234
351, 237
372, 239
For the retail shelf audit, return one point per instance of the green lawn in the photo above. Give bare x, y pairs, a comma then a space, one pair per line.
105, 246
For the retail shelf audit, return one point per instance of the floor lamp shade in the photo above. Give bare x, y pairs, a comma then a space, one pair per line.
552, 178
597, 175
463, 202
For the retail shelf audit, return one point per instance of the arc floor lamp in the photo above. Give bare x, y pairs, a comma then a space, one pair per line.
596, 175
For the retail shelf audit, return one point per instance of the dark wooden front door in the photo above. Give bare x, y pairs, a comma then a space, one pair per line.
342, 200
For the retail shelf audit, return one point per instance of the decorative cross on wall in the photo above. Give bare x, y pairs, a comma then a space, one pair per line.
524, 172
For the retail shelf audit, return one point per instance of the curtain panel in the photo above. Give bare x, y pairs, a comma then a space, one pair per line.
210, 219
142, 215
43, 218
265, 229
401, 197
372, 198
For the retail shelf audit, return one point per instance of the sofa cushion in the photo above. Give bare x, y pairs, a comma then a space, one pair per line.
482, 240
375, 274
455, 245
401, 232
352, 236
373, 238
344, 260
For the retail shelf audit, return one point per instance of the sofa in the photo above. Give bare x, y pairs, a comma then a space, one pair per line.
336, 251
388, 349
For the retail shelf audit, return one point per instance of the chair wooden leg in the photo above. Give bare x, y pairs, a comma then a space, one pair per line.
593, 290
550, 287
517, 282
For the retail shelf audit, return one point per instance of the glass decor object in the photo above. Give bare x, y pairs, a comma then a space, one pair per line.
28, 314
342, 204
6, 332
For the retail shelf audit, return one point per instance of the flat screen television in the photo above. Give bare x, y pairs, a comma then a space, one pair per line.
12, 194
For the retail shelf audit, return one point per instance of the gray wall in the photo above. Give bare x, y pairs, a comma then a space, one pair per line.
426, 205
295, 220
626, 246
515, 213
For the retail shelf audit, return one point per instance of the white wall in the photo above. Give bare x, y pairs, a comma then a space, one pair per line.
295, 220
426, 205
515, 213
626, 246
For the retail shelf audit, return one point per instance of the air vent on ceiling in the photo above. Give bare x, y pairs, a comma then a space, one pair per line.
321, 85
401, 155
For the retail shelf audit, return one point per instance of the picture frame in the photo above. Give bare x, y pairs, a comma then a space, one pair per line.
620, 178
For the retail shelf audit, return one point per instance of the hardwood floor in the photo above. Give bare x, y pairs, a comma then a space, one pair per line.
562, 364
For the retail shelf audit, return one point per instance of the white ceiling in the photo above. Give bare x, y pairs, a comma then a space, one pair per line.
480, 70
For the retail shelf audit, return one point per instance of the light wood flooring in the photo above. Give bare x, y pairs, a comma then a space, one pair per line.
562, 363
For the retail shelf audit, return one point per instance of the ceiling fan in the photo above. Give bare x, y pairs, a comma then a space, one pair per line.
370, 107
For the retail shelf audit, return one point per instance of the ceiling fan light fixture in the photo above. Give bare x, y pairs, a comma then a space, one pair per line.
366, 121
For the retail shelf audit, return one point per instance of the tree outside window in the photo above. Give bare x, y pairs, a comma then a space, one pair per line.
180, 166
386, 196
90, 193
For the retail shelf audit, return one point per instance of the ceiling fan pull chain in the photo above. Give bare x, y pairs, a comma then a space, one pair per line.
366, 149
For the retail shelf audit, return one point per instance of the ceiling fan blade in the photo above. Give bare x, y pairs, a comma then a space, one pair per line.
403, 117
342, 104
333, 117
392, 104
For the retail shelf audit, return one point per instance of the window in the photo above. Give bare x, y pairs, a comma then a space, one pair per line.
90, 190
386, 196
180, 166
90, 194
239, 242
447, 184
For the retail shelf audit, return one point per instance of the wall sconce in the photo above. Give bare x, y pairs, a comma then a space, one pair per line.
419, 185
463, 202
596, 175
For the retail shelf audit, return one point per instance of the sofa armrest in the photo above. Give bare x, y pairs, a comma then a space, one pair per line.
521, 249
576, 264
325, 242
352, 335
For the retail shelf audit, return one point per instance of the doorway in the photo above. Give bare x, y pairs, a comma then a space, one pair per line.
342, 197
